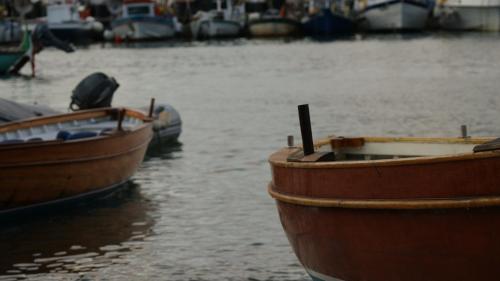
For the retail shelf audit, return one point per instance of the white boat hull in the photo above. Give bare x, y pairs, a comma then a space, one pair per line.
143, 30
465, 17
395, 16
215, 28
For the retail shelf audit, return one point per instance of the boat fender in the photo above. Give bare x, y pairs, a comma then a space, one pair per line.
82, 135
63, 135
162, 119
12, 141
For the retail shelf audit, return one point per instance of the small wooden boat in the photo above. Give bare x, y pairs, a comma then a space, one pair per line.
392, 209
67, 157
273, 24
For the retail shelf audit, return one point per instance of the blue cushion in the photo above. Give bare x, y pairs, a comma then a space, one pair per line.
82, 135
63, 135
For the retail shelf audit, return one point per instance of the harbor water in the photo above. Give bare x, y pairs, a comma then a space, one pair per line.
200, 210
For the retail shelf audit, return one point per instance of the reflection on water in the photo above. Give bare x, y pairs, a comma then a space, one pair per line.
78, 240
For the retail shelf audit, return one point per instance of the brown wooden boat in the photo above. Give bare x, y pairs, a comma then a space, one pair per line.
70, 156
392, 209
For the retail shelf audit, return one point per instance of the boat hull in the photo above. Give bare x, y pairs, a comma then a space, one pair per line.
480, 18
7, 61
41, 173
395, 15
327, 24
143, 28
76, 33
280, 27
429, 218
389, 245
215, 29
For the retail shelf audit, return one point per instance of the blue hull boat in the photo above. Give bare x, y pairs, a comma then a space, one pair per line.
327, 24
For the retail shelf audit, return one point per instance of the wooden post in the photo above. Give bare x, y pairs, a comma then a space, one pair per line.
290, 141
121, 115
305, 129
151, 108
464, 131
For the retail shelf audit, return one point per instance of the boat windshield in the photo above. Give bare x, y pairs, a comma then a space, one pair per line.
138, 10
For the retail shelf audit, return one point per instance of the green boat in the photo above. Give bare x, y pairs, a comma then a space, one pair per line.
11, 57
14, 58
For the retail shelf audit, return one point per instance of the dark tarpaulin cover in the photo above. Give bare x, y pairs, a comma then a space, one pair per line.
12, 111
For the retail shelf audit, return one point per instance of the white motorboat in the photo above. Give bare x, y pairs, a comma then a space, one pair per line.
393, 15
222, 22
482, 15
139, 21
64, 21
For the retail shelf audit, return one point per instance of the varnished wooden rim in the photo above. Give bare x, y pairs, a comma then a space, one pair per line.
78, 115
387, 204
279, 158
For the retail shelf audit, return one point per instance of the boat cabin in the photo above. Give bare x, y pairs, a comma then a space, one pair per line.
62, 11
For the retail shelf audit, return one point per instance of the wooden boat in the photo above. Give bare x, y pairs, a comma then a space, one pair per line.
272, 24
392, 209
67, 157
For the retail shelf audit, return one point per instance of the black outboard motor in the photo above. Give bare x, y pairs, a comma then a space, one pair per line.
94, 91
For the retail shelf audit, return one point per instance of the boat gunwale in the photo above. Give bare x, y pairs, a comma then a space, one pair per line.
72, 116
78, 160
279, 158
386, 204
82, 115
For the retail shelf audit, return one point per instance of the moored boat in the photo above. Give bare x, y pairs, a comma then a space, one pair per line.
65, 22
394, 15
476, 15
272, 24
382, 208
13, 59
216, 23
10, 31
139, 21
325, 23
62, 158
